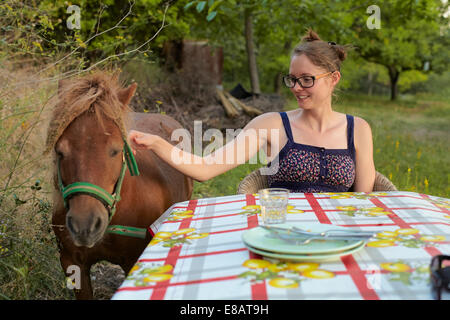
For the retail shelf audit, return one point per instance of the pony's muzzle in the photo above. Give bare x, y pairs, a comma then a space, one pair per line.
86, 228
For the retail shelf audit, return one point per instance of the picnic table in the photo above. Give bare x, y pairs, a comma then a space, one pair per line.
197, 252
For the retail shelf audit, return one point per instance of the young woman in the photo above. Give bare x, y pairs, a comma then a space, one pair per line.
317, 150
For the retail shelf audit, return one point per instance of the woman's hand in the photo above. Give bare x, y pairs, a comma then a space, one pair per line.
141, 140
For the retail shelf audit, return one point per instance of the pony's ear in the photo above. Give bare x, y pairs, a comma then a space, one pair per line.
125, 95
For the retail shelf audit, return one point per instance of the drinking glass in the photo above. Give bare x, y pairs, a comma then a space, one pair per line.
273, 203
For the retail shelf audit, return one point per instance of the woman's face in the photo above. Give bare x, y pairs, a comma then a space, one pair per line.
320, 93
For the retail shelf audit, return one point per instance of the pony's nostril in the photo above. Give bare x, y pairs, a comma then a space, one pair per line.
71, 225
98, 224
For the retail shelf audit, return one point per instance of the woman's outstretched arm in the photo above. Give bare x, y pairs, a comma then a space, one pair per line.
238, 151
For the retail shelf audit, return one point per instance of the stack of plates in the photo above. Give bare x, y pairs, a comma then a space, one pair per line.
263, 242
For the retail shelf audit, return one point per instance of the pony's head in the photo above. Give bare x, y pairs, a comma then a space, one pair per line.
87, 135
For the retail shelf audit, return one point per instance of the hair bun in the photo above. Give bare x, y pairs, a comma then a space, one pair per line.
311, 36
341, 52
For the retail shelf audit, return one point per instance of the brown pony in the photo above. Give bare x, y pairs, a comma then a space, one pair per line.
87, 132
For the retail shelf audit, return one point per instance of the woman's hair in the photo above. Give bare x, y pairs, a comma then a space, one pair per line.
324, 54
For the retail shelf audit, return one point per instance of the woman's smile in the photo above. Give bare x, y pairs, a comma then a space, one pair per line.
302, 97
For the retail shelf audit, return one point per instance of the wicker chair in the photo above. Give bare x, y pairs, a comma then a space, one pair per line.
255, 181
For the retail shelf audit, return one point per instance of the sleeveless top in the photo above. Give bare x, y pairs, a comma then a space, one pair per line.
307, 169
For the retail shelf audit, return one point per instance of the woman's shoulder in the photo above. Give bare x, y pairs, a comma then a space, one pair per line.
362, 131
361, 124
268, 120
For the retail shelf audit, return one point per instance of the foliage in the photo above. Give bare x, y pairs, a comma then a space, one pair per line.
410, 35
110, 31
114, 32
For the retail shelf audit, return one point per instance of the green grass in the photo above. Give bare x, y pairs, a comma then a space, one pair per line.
410, 138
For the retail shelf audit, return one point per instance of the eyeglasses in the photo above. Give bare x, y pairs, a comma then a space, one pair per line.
304, 81
440, 277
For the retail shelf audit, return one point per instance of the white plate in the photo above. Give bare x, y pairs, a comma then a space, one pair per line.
262, 239
306, 257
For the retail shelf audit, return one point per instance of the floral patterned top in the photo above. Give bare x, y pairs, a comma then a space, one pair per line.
305, 168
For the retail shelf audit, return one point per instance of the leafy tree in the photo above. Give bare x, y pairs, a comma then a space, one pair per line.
406, 39
267, 29
110, 30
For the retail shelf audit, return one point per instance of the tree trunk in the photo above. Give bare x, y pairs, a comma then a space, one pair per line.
253, 69
370, 83
277, 83
393, 76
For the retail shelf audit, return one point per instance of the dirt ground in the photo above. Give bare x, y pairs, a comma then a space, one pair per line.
106, 279
208, 110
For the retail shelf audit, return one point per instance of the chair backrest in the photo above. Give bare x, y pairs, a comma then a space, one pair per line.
255, 181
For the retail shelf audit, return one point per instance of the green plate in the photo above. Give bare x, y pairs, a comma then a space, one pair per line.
263, 239
312, 257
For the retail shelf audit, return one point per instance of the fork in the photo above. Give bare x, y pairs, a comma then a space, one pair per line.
303, 241
331, 231
326, 234
308, 240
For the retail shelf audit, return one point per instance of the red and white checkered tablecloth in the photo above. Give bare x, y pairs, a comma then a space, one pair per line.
197, 251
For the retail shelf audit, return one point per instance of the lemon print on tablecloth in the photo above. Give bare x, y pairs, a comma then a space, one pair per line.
158, 269
406, 237
407, 273
251, 207
387, 235
406, 231
395, 267
145, 276
291, 210
176, 238
432, 238
318, 274
355, 195
256, 209
251, 210
180, 215
302, 266
163, 235
381, 244
197, 236
352, 211
183, 231
157, 278
136, 267
285, 283
256, 264
286, 275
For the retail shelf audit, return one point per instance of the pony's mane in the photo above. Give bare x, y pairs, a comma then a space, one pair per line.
97, 93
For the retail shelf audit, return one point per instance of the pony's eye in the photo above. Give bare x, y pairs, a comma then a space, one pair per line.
60, 155
114, 152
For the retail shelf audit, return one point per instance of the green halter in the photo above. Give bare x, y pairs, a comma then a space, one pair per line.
109, 200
